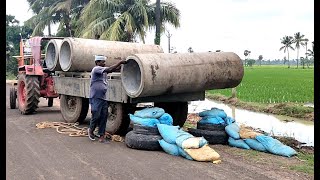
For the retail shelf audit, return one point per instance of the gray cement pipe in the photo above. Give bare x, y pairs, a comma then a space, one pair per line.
52, 55
77, 54
160, 73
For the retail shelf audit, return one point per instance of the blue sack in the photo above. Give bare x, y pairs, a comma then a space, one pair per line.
229, 120
233, 130
166, 119
256, 145
202, 142
212, 120
213, 112
153, 112
150, 122
182, 136
275, 146
168, 133
238, 143
169, 148
184, 154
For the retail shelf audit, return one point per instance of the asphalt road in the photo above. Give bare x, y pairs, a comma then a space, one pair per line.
45, 154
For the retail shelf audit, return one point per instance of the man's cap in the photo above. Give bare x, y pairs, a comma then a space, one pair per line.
100, 58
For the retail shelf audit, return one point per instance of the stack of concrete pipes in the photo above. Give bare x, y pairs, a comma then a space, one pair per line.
149, 71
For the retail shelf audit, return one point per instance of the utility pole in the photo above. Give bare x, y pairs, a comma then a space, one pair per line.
169, 36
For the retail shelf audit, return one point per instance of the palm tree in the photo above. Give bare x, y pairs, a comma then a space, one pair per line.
246, 53
260, 59
298, 40
54, 11
310, 51
124, 20
287, 41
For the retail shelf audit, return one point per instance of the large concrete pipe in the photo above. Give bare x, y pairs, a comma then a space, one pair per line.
159, 73
52, 55
76, 54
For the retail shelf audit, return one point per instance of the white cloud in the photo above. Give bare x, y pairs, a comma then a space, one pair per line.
228, 25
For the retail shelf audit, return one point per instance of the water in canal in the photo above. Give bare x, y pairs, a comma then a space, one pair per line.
301, 130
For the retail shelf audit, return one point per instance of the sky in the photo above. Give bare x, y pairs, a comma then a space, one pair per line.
228, 25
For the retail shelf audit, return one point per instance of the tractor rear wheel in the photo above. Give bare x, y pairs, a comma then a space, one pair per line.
50, 102
28, 93
74, 109
178, 111
13, 98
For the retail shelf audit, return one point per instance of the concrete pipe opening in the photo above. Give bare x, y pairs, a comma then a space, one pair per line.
131, 77
51, 56
65, 55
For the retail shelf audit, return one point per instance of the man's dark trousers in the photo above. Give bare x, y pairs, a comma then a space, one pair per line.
99, 110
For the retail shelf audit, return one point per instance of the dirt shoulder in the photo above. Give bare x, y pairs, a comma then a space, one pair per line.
296, 110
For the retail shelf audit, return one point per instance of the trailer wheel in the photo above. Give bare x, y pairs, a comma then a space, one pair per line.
50, 102
178, 111
13, 98
115, 115
28, 93
74, 109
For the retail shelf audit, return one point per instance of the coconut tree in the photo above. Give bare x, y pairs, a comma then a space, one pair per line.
124, 20
246, 53
310, 51
287, 41
260, 59
298, 41
54, 11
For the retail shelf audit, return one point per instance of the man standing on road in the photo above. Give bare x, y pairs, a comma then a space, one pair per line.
98, 99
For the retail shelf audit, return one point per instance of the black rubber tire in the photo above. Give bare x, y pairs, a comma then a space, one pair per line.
211, 127
74, 109
213, 137
178, 111
138, 129
13, 98
143, 142
50, 102
29, 103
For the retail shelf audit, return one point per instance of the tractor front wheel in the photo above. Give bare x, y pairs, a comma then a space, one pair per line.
13, 98
28, 93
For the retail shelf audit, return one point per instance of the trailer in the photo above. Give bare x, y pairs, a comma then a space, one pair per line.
74, 88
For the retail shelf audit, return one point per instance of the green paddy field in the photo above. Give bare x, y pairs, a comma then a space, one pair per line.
274, 84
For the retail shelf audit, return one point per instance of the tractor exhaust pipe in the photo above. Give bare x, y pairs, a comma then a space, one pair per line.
159, 74
76, 54
52, 55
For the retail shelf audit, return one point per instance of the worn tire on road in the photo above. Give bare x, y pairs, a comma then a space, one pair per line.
143, 142
138, 129
213, 137
210, 127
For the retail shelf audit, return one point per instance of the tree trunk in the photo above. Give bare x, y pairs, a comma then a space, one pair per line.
157, 38
288, 60
49, 29
297, 58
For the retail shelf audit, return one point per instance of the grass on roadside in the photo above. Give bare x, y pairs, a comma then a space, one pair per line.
307, 165
296, 110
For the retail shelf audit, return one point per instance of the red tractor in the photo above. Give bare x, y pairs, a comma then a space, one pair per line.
34, 79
